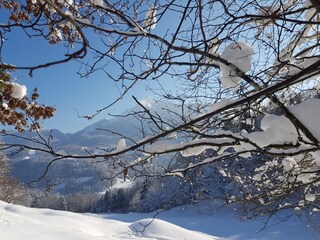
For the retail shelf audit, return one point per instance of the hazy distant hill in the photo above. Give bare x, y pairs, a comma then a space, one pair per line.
96, 135
68, 176
103, 132
28, 165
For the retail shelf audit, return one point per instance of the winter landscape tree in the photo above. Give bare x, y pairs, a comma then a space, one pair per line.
11, 190
241, 78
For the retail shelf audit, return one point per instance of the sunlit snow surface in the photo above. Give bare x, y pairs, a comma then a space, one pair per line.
183, 223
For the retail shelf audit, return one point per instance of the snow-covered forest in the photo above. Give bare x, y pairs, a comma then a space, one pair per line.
233, 115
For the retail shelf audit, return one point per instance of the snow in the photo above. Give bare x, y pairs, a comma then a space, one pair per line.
276, 130
151, 19
159, 147
297, 66
240, 55
99, 3
307, 3
121, 145
22, 223
84, 179
218, 105
310, 197
5, 105
159, 229
191, 148
194, 151
192, 222
308, 114
85, 21
289, 164
122, 184
279, 129
316, 156
65, 3
148, 103
56, 34
310, 13
18, 91
32, 152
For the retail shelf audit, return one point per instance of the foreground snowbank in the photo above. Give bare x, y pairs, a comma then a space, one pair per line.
17, 222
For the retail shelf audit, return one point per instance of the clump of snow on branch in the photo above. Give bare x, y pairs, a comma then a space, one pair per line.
55, 35
310, 12
147, 103
85, 21
5, 105
308, 113
239, 55
193, 151
18, 91
279, 130
218, 105
99, 3
159, 147
303, 56
191, 148
275, 130
121, 145
289, 164
65, 3
151, 19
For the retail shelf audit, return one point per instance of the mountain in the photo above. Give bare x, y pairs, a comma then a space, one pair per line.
106, 132
69, 175
99, 134
28, 165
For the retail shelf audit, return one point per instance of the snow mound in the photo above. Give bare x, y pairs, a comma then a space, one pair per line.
17, 222
159, 229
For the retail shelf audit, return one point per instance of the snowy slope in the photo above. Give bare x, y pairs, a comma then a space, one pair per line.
18, 222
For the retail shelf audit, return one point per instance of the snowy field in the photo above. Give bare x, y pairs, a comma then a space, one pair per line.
183, 223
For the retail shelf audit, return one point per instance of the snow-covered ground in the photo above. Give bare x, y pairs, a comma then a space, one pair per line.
183, 223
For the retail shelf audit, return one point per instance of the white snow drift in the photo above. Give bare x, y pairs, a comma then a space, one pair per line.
17, 222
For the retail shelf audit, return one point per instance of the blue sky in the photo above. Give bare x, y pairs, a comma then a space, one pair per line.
61, 87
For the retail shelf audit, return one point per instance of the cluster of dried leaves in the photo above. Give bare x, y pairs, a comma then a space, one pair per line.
24, 113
